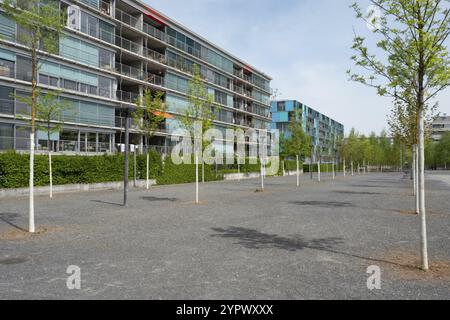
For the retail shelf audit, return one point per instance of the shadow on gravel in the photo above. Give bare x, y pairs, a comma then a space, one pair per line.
323, 204
10, 218
106, 202
156, 199
254, 239
356, 192
366, 186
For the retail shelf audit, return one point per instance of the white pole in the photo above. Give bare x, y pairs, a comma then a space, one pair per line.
262, 176
32, 228
318, 170
345, 169
332, 168
351, 165
50, 173
148, 171
203, 171
413, 168
298, 173
424, 241
416, 178
196, 178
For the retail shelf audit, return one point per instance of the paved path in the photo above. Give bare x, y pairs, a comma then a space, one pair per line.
315, 242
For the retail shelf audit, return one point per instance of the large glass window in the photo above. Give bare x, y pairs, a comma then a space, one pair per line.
7, 28
22, 108
106, 59
104, 87
23, 71
6, 136
6, 100
6, 68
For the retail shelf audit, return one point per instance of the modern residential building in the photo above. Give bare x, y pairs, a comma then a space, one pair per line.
323, 130
440, 126
111, 52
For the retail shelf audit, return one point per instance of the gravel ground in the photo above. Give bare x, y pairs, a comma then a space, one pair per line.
315, 242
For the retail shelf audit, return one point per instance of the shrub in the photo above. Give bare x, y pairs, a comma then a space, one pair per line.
185, 173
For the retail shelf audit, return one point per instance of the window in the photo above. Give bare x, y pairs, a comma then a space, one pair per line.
70, 85
6, 136
89, 24
104, 85
22, 108
23, 68
6, 68
220, 97
6, 100
281, 106
106, 58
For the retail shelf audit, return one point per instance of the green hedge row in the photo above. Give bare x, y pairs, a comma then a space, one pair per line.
14, 169
185, 173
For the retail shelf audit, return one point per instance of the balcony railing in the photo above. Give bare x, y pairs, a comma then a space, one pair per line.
125, 96
139, 74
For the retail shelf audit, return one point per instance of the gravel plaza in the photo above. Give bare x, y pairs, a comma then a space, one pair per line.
313, 242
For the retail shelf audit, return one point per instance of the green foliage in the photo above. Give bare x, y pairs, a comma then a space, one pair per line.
200, 108
149, 113
298, 143
185, 173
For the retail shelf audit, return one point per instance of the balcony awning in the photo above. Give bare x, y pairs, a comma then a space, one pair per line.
163, 114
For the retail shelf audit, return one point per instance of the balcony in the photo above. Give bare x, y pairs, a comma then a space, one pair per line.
125, 96
138, 49
139, 74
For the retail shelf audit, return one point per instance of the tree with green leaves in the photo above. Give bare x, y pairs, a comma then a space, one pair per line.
42, 23
148, 116
297, 144
202, 111
49, 118
412, 65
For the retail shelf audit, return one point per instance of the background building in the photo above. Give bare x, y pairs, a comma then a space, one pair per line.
323, 130
440, 126
112, 51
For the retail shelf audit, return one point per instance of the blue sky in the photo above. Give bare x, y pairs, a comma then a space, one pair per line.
303, 44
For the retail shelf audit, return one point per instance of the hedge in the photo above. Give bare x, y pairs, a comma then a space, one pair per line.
185, 173
14, 169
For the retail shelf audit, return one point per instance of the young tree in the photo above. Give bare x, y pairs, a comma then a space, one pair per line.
49, 119
42, 23
149, 115
201, 111
414, 62
298, 143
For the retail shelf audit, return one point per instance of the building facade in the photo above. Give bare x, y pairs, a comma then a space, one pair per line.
440, 126
323, 130
111, 52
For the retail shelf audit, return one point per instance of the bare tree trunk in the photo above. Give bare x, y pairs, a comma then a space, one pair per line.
262, 176
345, 169
50, 172
32, 228
413, 169
334, 173
196, 178
351, 166
125, 176
424, 240
134, 168
318, 170
34, 97
148, 171
416, 178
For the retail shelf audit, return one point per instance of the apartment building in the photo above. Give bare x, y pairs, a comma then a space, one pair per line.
440, 126
111, 52
322, 129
